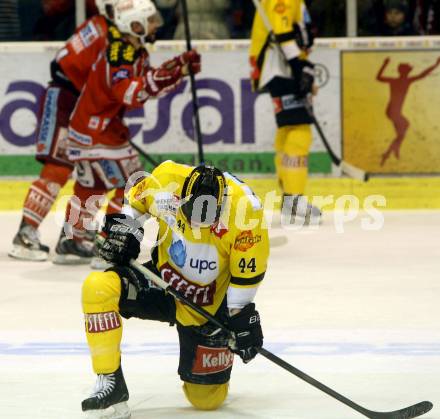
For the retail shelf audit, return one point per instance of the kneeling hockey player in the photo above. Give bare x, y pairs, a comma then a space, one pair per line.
212, 247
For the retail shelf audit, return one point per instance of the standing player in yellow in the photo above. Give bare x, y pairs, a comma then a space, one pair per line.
289, 86
212, 246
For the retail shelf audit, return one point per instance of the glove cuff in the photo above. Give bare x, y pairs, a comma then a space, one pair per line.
245, 311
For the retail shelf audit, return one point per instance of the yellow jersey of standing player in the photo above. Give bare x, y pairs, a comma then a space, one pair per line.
285, 17
205, 264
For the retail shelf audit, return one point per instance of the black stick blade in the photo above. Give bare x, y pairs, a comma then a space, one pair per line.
414, 411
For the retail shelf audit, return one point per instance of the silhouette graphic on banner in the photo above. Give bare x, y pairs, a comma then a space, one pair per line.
399, 88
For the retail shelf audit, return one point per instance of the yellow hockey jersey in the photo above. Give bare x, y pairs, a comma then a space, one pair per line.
205, 264
265, 59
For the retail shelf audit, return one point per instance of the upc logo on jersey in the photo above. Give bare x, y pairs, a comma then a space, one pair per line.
198, 294
102, 322
177, 252
201, 265
245, 240
212, 360
200, 262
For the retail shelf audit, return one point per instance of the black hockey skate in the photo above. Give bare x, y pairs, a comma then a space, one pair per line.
27, 246
110, 393
297, 211
72, 252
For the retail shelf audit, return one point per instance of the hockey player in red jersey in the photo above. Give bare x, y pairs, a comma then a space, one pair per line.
121, 78
69, 72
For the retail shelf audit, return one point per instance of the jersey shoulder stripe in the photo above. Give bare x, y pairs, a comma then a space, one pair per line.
246, 282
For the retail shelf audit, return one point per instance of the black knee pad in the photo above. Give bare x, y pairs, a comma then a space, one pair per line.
142, 299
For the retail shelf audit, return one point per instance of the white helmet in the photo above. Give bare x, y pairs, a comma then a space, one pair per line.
104, 6
131, 11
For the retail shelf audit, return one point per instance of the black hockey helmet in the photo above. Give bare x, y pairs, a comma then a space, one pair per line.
202, 195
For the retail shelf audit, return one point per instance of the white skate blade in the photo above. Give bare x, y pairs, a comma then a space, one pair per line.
100, 264
70, 260
117, 411
21, 253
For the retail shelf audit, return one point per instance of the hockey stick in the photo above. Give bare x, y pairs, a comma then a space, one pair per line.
144, 154
195, 101
347, 168
406, 413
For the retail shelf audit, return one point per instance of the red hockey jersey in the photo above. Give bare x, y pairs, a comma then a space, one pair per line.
116, 82
83, 47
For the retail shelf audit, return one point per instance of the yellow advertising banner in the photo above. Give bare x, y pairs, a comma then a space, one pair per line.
391, 110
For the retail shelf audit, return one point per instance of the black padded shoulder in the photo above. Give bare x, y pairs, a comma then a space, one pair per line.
120, 52
113, 33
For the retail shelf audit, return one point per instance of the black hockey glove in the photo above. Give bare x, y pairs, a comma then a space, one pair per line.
303, 73
248, 334
122, 239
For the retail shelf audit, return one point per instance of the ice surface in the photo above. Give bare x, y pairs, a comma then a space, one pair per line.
359, 311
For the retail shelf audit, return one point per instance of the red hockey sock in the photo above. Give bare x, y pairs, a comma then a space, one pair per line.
43, 192
81, 210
